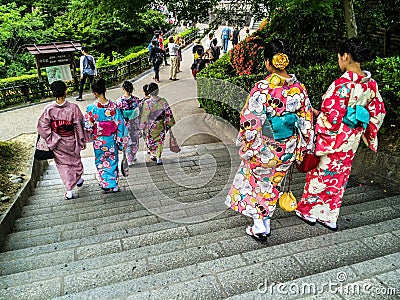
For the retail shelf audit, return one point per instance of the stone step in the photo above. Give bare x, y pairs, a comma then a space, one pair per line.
173, 239
237, 270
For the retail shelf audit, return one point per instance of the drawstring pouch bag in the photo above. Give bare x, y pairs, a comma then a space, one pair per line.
287, 201
173, 144
42, 151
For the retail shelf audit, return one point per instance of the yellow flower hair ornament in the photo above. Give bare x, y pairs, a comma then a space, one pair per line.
280, 61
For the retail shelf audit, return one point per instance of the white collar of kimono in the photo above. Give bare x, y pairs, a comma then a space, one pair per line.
62, 104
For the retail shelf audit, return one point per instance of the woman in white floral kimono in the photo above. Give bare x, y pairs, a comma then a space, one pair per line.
266, 155
351, 109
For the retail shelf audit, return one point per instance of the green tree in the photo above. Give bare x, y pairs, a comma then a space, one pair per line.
17, 29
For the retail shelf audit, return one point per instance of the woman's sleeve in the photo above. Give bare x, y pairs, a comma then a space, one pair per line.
377, 112
122, 132
252, 118
306, 116
334, 106
169, 117
88, 124
44, 130
78, 125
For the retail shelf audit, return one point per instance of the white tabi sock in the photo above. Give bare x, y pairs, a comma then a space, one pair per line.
267, 223
69, 194
258, 226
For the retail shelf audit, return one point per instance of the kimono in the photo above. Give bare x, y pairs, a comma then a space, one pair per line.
108, 133
351, 109
130, 109
156, 120
62, 128
276, 126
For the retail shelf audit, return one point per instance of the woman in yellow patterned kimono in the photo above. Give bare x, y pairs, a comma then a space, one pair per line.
267, 152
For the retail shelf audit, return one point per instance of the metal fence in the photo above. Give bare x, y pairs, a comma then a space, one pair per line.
113, 75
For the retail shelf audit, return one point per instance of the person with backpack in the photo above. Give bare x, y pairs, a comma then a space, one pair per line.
156, 57
200, 63
88, 70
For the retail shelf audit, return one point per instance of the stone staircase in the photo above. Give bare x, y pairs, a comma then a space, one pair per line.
168, 235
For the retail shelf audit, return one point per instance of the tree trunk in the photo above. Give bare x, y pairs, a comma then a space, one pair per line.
350, 18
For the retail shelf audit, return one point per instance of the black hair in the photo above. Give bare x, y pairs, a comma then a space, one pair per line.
58, 88
85, 49
152, 89
154, 42
200, 51
214, 41
277, 46
356, 48
128, 86
99, 86
146, 89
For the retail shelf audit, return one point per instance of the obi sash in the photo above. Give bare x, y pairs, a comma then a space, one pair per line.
283, 126
105, 128
357, 116
62, 127
130, 114
157, 115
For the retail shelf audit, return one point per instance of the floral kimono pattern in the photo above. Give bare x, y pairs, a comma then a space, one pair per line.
108, 133
156, 120
130, 109
337, 140
265, 159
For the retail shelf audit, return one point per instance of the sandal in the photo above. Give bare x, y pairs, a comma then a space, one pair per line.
80, 182
68, 198
309, 220
257, 236
326, 225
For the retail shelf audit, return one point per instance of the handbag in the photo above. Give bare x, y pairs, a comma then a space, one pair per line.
42, 151
287, 201
124, 165
310, 162
173, 144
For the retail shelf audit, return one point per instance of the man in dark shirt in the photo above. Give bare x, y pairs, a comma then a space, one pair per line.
156, 56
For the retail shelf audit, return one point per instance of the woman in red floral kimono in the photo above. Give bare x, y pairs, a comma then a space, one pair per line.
351, 109
267, 152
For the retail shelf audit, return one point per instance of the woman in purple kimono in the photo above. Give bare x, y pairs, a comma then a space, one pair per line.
61, 125
107, 130
156, 120
130, 109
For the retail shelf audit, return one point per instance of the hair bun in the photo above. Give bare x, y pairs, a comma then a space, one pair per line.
280, 61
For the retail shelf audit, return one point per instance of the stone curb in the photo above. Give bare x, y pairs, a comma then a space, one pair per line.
8, 218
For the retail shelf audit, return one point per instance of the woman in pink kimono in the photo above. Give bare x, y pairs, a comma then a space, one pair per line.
61, 125
351, 109
275, 127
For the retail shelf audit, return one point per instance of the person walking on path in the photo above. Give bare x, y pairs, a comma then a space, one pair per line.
173, 53
197, 46
156, 57
352, 108
235, 36
106, 126
130, 109
215, 50
267, 152
61, 126
156, 120
162, 46
226, 35
88, 69
178, 41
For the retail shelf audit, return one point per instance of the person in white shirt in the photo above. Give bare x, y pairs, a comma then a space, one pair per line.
88, 69
173, 53
209, 41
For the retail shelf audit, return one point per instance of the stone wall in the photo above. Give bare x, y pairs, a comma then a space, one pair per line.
380, 168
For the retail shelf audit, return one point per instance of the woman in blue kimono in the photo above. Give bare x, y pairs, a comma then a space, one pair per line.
104, 122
